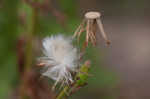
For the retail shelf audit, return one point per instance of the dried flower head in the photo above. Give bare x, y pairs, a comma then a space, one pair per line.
60, 58
88, 25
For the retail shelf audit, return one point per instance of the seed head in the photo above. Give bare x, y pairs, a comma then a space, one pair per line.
60, 58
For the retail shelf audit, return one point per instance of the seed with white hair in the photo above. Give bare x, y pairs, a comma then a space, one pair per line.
61, 58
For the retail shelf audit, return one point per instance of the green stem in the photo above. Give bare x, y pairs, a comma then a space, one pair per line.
29, 50
63, 93
82, 75
30, 36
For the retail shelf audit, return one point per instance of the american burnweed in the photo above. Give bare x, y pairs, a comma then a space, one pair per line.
62, 59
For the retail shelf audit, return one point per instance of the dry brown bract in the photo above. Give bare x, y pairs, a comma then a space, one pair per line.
89, 25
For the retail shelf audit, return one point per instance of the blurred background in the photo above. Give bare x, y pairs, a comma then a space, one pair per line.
121, 71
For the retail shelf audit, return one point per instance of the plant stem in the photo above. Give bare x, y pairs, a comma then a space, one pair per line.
30, 36
63, 93
82, 75
28, 49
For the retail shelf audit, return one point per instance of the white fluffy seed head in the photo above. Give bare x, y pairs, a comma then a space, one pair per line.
60, 58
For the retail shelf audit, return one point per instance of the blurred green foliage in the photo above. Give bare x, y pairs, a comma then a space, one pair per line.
8, 36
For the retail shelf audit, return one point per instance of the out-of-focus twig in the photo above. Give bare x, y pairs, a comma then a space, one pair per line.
36, 88
47, 6
30, 36
20, 55
31, 29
